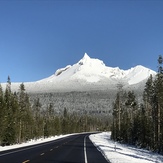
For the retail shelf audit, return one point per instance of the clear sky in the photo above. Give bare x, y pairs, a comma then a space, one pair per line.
39, 36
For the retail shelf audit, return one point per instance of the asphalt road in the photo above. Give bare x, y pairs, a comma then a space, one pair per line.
72, 149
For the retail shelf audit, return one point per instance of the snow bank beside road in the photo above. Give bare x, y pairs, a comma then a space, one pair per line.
32, 142
123, 153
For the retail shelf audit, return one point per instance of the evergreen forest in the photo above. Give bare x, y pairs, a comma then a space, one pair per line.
141, 124
21, 120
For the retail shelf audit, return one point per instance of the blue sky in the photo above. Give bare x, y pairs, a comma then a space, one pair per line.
37, 37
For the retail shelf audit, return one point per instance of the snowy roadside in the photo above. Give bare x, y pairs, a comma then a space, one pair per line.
123, 153
33, 142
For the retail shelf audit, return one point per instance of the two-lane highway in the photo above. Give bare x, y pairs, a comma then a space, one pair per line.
71, 149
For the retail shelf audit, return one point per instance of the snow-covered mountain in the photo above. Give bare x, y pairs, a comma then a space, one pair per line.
94, 70
88, 73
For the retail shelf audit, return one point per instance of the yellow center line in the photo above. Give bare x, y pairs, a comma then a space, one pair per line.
26, 161
42, 154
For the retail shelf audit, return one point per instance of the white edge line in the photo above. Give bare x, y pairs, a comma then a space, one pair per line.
85, 152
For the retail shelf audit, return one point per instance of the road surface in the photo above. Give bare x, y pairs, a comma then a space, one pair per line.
71, 149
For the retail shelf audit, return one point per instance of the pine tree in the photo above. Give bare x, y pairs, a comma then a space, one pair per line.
49, 121
21, 112
115, 131
8, 86
38, 119
28, 119
65, 122
131, 107
148, 98
118, 115
57, 125
158, 105
8, 133
25, 116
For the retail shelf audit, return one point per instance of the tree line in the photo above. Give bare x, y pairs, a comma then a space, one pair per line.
21, 120
137, 123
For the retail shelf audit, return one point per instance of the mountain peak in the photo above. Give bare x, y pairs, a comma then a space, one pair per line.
86, 56
85, 59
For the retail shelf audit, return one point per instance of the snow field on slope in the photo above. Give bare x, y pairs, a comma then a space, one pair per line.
123, 153
94, 70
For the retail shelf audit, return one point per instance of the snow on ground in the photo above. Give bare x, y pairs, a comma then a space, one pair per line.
123, 153
32, 142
